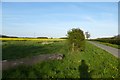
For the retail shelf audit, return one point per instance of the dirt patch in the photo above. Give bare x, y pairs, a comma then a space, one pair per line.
30, 61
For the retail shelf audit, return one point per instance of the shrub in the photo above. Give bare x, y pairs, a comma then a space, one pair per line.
76, 39
112, 41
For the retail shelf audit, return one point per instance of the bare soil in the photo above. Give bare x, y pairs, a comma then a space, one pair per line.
30, 60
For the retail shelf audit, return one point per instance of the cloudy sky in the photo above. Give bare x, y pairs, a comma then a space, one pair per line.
54, 19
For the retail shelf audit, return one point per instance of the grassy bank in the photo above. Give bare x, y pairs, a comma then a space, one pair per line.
100, 64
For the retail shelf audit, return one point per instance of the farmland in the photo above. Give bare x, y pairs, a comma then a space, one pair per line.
26, 39
100, 63
19, 49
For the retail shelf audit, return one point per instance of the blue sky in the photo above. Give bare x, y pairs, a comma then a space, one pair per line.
60, 0
52, 19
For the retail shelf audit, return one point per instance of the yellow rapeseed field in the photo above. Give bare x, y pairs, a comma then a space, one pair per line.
55, 39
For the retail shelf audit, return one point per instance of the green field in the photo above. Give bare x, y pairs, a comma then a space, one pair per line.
101, 64
19, 49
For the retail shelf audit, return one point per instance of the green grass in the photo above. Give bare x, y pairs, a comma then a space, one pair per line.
109, 44
19, 49
101, 63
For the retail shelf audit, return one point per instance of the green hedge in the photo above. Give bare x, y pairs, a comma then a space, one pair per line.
112, 41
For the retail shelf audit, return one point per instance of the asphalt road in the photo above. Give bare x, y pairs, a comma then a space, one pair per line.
113, 51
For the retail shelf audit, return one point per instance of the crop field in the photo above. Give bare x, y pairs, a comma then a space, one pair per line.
101, 64
26, 39
19, 49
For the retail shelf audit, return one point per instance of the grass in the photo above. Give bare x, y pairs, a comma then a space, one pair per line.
101, 64
111, 45
19, 49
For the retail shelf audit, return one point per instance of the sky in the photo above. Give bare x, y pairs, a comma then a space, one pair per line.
60, 0
54, 19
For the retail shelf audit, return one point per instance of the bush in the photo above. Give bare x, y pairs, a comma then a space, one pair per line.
76, 39
112, 41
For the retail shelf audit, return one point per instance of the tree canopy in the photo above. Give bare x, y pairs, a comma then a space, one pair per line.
87, 35
76, 39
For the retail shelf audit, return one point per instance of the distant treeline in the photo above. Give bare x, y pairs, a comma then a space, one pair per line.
42, 37
112, 40
64, 38
4, 36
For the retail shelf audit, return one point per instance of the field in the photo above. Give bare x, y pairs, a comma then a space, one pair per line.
101, 64
20, 49
33, 39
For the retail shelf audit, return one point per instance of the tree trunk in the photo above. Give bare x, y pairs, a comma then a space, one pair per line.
73, 47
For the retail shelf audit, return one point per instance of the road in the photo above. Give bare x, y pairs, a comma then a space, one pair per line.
113, 51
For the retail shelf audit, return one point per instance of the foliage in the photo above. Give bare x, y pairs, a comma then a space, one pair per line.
64, 38
116, 37
87, 35
76, 39
42, 37
109, 44
4, 36
108, 40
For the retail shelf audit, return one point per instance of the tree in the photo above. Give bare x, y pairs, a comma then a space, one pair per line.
76, 39
87, 35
